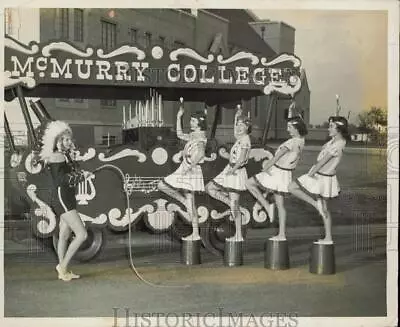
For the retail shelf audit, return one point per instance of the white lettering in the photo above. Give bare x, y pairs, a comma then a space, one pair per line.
140, 67
259, 71
66, 66
222, 78
276, 75
242, 75
122, 68
203, 79
39, 61
27, 66
187, 69
103, 67
88, 64
175, 78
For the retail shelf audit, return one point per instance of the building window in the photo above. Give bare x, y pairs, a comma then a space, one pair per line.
78, 25
64, 23
134, 35
72, 103
108, 139
108, 103
71, 100
148, 39
108, 35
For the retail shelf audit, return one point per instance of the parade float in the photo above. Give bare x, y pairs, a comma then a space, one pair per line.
123, 191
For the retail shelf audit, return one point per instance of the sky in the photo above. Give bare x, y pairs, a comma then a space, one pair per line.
343, 52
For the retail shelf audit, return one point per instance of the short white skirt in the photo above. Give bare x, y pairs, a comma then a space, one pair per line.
182, 179
232, 183
276, 180
320, 185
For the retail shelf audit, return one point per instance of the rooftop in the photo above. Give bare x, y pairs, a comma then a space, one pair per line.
241, 34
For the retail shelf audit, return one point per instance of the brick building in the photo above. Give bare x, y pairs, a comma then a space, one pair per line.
214, 30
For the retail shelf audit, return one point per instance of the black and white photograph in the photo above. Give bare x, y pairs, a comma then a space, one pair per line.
219, 164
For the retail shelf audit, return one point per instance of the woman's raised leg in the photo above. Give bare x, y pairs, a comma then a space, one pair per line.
218, 194
295, 189
171, 192
253, 188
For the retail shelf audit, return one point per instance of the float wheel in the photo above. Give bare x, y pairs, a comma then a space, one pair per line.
180, 228
91, 247
214, 233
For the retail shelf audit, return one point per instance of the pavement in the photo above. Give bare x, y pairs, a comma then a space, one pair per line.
24, 243
109, 281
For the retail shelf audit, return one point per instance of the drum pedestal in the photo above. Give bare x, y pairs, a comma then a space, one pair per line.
276, 255
233, 253
190, 252
322, 259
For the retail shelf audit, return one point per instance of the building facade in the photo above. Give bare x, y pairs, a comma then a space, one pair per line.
225, 32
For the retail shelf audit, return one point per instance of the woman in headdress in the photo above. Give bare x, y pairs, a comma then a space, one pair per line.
56, 151
321, 184
277, 172
226, 187
188, 178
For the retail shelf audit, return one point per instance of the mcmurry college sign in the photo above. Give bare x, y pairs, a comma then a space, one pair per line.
62, 63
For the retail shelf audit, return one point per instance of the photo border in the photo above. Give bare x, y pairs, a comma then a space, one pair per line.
392, 7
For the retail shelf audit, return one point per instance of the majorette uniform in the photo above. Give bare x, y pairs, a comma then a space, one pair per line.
184, 179
324, 183
235, 182
65, 178
279, 176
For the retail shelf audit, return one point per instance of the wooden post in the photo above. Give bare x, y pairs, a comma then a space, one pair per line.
9, 134
268, 120
36, 111
41, 108
217, 116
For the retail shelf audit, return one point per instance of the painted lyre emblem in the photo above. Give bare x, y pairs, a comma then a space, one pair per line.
86, 191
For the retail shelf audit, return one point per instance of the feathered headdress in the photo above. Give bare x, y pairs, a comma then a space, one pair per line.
52, 131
